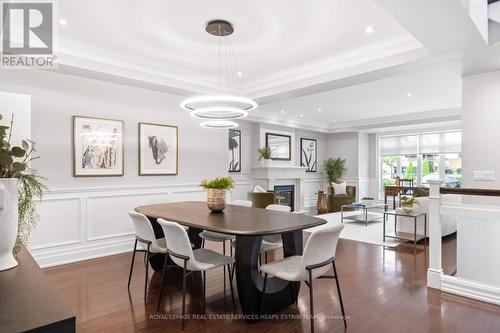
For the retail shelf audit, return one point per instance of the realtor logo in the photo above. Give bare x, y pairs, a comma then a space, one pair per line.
28, 35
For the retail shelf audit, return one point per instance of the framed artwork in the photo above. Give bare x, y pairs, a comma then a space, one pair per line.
234, 150
97, 147
158, 149
309, 154
280, 145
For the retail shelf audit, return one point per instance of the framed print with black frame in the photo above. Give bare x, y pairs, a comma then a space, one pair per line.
309, 154
280, 145
234, 147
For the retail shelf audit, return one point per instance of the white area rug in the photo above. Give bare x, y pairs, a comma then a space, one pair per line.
357, 231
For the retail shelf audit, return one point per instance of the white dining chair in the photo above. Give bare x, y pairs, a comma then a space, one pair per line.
222, 238
319, 253
199, 260
273, 242
145, 236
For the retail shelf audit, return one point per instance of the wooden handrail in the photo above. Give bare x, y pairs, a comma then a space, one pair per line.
470, 191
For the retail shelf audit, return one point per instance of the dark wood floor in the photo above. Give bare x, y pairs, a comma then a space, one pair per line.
384, 291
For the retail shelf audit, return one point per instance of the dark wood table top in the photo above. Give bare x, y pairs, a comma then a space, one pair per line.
235, 220
29, 302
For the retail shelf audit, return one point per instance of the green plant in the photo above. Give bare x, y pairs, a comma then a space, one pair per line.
335, 168
221, 183
408, 201
264, 153
14, 163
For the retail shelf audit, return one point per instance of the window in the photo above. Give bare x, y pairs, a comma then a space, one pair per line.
421, 157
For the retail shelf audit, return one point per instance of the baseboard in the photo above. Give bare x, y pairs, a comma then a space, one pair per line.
474, 290
48, 257
434, 278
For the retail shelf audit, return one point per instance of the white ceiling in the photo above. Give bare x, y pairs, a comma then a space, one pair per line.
296, 56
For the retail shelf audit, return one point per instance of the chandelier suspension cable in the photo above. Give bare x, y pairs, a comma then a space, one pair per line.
224, 107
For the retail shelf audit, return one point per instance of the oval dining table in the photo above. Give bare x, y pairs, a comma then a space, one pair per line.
249, 225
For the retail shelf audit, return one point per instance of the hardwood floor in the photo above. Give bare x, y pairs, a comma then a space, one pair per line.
383, 291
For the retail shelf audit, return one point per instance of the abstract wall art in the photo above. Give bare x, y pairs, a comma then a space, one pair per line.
234, 150
97, 147
158, 149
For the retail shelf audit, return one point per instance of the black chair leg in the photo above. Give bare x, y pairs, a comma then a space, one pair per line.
203, 243
311, 300
204, 286
184, 272
162, 281
231, 285
338, 291
224, 253
146, 267
265, 255
263, 295
132, 264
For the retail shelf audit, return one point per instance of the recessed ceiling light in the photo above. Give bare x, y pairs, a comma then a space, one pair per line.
240, 74
409, 94
301, 116
62, 22
319, 109
282, 111
369, 29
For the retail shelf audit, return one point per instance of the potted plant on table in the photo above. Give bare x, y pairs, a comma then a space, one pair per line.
20, 188
265, 155
216, 192
407, 203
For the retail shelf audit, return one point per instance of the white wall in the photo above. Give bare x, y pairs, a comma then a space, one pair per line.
86, 217
481, 134
18, 105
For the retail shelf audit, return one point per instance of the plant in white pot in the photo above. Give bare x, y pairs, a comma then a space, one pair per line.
216, 192
20, 188
265, 155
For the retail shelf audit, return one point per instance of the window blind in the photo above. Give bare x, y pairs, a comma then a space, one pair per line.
441, 143
398, 145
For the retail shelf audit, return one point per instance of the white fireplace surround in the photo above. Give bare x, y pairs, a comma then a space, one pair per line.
306, 184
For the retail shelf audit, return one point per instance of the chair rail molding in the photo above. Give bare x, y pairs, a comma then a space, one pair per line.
84, 223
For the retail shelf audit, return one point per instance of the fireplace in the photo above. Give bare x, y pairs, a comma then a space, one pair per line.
285, 195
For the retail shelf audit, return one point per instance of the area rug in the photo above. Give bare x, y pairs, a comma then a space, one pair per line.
357, 231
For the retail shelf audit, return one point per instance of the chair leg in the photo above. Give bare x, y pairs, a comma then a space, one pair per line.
263, 295
162, 281
338, 291
204, 286
132, 264
231, 285
203, 243
224, 253
265, 255
146, 267
311, 300
183, 294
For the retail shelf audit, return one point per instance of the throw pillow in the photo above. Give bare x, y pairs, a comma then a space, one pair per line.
339, 189
420, 192
259, 189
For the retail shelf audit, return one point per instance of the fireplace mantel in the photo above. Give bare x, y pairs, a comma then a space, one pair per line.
278, 172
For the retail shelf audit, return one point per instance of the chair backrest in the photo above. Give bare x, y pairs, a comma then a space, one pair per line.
142, 226
279, 208
321, 246
246, 203
177, 241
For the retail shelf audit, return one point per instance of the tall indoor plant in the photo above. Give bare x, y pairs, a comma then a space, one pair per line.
335, 169
216, 192
20, 188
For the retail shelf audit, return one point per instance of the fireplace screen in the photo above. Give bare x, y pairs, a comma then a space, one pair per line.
285, 195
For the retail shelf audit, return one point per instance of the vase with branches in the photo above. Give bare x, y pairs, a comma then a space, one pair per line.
335, 169
20, 188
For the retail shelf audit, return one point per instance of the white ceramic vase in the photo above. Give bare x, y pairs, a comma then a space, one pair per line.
8, 222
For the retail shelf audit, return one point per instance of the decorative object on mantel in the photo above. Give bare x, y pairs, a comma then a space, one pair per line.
216, 192
280, 145
20, 188
97, 147
309, 154
158, 149
222, 74
265, 156
407, 204
234, 150
322, 204
335, 168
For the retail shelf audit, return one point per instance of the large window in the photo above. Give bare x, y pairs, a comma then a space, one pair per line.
421, 157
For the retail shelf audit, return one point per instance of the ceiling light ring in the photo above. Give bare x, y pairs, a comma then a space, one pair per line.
189, 104
219, 124
230, 113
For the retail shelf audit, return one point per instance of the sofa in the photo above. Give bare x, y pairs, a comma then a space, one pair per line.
335, 201
448, 222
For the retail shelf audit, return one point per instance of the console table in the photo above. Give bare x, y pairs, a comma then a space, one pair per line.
29, 302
